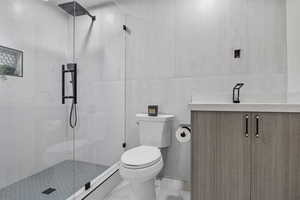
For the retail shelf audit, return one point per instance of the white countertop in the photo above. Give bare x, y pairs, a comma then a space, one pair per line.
245, 107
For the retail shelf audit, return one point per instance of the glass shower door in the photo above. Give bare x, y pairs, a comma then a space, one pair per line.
36, 151
42, 157
99, 134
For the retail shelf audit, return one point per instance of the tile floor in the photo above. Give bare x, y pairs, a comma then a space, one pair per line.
60, 177
166, 189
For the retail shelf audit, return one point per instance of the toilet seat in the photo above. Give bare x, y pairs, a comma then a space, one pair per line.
141, 157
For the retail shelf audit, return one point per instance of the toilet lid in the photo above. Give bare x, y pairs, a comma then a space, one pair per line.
141, 156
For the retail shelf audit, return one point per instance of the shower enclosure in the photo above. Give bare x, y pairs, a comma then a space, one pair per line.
50, 150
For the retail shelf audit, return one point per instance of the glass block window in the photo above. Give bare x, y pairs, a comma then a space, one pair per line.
11, 62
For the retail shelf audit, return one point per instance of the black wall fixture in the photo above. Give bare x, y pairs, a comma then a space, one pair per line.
71, 68
237, 53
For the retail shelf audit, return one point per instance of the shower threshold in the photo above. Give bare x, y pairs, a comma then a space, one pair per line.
59, 183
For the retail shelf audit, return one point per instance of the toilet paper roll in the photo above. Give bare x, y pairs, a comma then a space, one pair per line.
183, 135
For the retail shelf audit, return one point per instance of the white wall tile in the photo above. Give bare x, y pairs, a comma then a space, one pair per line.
188, 55
293, 38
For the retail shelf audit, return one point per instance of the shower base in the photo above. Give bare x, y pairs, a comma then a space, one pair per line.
57, 182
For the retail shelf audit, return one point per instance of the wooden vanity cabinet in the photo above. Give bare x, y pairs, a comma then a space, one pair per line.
245, 156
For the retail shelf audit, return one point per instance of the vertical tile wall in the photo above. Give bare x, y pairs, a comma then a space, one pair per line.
182, 50
293, 32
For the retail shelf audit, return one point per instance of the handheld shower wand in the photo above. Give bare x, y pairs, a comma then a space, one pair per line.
73, 111
73, 116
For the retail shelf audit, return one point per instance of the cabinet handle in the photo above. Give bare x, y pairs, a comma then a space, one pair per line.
247, 125
257, 126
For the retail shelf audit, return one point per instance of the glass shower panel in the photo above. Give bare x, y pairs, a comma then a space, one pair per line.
36, 151
42, 157
99, 55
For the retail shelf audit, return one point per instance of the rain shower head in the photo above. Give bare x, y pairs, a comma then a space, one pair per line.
75, 9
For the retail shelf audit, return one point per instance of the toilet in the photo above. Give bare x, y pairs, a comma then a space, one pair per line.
140, 165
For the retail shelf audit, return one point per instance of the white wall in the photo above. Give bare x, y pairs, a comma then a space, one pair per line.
32, 118
293, 36
179, 50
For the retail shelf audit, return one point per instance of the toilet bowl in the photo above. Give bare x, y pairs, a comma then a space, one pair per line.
140, 166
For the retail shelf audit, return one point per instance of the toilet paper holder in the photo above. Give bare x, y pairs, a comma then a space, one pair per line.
187, 126
183, 133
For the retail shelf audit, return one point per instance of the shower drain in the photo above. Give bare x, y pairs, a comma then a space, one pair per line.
49, 191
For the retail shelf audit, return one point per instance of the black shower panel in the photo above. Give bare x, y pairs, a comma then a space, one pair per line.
71, 68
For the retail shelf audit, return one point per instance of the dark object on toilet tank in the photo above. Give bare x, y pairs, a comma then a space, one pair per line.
153, 110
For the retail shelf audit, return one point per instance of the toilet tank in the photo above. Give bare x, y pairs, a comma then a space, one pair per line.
155, 131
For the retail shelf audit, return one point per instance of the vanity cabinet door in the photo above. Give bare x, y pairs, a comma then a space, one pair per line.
294, 157
271, 157
233, 156
204, 149
221, 156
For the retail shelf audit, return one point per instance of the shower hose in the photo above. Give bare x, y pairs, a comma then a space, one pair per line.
73, 116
